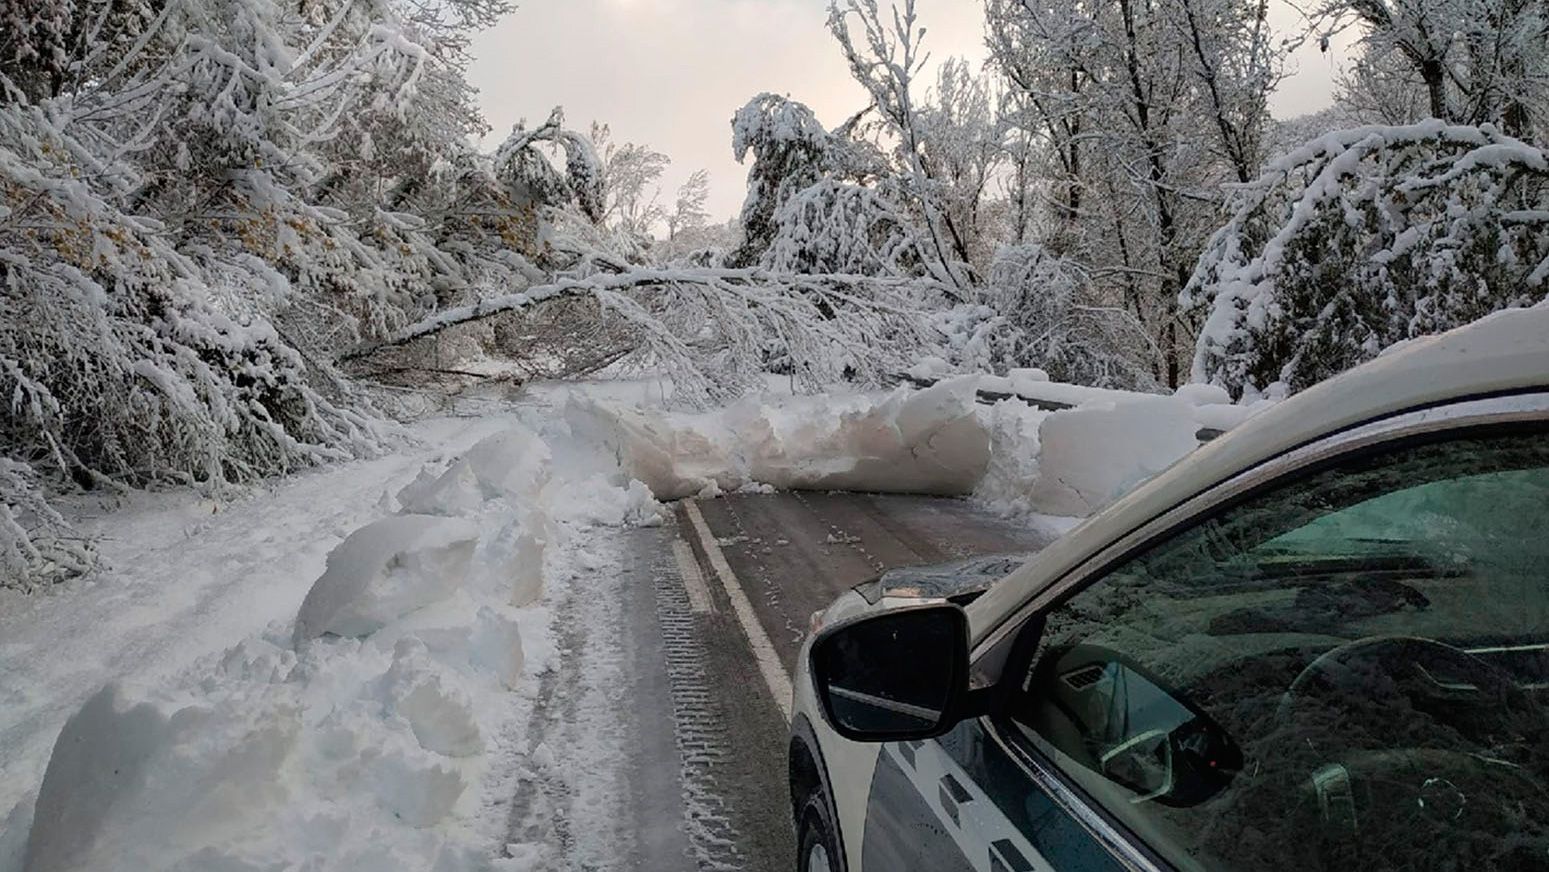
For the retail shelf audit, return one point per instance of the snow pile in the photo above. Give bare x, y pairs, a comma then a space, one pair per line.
1008, 481
1011, 456
510, 465
384, 571
363, 737
1090, 456
930, 441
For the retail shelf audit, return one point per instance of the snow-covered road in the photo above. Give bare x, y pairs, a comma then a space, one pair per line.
185, 577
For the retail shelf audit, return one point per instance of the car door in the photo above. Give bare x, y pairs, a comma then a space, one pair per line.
1343, 668
961, 802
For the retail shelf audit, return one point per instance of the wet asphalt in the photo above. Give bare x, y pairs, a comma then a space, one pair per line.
792, 554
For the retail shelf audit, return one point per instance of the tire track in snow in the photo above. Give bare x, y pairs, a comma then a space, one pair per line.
700, 727
570, 811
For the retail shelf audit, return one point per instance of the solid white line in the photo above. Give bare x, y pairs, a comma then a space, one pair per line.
769, 664
693, 582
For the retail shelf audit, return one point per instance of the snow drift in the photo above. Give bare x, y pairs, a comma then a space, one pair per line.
940, 440
929, 441
363, 736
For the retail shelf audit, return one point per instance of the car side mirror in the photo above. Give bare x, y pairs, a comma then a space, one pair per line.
897, 675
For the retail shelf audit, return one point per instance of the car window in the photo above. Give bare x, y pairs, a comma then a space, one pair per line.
1346, 671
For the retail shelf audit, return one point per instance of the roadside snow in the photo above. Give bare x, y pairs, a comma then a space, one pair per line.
337, 674
1012, 457
908, 441
372, 728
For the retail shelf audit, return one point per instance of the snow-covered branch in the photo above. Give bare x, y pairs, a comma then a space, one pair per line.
714, 326
1365, 237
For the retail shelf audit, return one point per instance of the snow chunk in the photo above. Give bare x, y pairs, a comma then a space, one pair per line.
1023, 380
597, 502
384, 571
512, 562
438, 712
512, 465
133, 782
416, 792
453, 493
1092, 455
929, 369
1014, 451
1199, 394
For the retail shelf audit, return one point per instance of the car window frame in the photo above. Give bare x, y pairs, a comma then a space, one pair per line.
1012, 646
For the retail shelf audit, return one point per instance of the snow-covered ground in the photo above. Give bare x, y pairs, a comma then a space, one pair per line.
337, 672
317, 674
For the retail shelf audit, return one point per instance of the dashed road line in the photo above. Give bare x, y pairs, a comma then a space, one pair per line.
769, 665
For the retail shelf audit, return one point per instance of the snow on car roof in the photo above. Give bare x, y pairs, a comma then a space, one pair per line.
1504, 352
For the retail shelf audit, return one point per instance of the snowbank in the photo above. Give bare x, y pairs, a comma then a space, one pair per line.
1090, 456
1014, 458
926, 441
363, 736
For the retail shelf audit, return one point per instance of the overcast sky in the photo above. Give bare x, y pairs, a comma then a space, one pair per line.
670, 73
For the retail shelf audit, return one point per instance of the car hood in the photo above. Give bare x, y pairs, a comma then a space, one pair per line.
960, 581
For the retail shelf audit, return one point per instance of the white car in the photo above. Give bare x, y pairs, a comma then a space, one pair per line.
1318, 642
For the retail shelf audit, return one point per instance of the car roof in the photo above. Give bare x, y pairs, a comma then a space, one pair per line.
1502, 353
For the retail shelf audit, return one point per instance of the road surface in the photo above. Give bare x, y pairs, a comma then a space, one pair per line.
672, 661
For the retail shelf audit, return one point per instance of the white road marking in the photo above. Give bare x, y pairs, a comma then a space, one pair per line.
693, 582
769, 664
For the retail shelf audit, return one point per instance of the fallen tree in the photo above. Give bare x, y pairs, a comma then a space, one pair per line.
714, 327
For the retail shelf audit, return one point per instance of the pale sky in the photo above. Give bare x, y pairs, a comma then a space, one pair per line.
670, 73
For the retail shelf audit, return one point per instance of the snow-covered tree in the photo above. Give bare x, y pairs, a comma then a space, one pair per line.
962, 151
36, 41
688, 214
845, 228
37, 546
1475, 61
791, 151
1365, 237
886, 60
201, 201
1050, 313
631, 184
1144, 111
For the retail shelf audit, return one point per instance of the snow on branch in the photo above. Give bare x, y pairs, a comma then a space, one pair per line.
716, 328
1365, 237
36, 544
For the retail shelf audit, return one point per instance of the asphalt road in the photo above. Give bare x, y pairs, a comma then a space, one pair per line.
789, 555
655, 742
